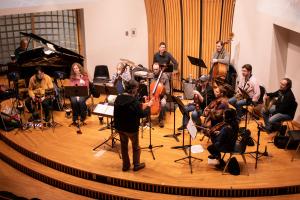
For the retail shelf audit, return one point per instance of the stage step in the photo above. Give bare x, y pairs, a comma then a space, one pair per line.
71, 183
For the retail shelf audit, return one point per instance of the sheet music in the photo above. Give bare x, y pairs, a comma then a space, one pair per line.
104, 109
192, 129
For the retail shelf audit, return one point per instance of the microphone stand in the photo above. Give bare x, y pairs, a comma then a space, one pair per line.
151, 147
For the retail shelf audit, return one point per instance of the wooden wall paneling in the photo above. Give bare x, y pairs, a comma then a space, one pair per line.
156, 26
211, 30
191, 39
150, 31
177, 22
173, 35
227, 21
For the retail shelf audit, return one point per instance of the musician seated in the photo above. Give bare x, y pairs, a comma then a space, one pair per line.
38, 83
224, 136
203, 95
214, 111
120, 77
284, 108
163, 98
78, 77
248, 91
21, 48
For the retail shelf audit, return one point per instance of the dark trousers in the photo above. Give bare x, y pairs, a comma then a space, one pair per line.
212, 149
79, 108
134, 137
46, 104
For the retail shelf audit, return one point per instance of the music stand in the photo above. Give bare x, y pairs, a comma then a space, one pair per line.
257, 153
175, 135
197, 62
189, 157
73, 91
105, 90
182, 110
106, 110
169, 68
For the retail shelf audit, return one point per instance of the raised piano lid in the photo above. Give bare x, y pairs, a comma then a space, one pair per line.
50, 44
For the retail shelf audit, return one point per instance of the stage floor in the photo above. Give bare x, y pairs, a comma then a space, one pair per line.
65, 146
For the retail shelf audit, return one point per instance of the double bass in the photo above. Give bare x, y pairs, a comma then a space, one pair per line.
219, 70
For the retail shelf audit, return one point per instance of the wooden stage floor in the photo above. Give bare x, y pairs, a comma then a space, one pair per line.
65, 146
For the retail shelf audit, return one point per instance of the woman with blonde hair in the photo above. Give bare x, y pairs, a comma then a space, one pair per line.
79, 77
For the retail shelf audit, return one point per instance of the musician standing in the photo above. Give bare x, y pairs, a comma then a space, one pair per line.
38, 83
127, 114
163, 57
203, 95
163, 101
225, 138
284, 108
120, 77
78, 77
250, 86
219, 56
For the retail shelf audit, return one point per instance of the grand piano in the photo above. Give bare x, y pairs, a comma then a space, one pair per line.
50, 57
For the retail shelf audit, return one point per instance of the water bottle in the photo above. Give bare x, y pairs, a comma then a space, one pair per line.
190, 78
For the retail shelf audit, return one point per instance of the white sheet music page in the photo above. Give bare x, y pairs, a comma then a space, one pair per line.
192, 128
100, 109
110, 110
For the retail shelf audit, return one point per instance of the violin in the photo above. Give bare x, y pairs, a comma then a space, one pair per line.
213, 131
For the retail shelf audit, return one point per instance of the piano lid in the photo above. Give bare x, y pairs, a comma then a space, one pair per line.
51, 46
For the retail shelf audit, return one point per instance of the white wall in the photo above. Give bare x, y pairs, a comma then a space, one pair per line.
267, 37
105, 23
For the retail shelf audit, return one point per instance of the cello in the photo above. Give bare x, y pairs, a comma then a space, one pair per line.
157, 90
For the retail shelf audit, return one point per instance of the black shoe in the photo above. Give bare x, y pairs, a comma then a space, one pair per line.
139, 167
221, 165
181, 128
47, 118
125, 169
74, 123
264, 129
161, 124
212, 157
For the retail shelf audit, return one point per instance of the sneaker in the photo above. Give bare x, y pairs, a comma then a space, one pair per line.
181, 128
139, 167
161, 123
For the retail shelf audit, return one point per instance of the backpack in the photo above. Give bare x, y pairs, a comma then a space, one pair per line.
233, 166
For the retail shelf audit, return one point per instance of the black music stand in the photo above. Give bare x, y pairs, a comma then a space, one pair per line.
257, 154
174, 135
105, 90
197, 62
169, 68
189, 157
113, 133
73, 91
184, 113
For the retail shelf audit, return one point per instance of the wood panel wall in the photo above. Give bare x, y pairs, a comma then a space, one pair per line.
189, 27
